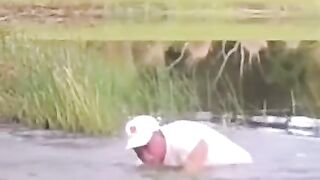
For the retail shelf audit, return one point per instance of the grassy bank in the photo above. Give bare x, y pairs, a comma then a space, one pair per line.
306, 30
163, 20
69, 86
179, 3
75, 86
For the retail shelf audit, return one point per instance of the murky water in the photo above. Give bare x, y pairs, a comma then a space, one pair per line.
53, 155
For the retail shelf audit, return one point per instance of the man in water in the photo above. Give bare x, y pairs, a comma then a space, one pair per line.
187, 144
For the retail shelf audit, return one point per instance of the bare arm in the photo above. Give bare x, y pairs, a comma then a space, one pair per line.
196, 159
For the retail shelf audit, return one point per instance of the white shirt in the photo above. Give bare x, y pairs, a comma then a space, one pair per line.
182, 136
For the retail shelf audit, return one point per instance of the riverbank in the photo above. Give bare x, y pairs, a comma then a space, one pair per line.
92, 87
111, 20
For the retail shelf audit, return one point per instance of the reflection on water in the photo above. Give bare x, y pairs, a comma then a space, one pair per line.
276, 156
238, 172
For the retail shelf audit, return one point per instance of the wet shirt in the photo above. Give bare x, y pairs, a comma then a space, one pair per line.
182, 136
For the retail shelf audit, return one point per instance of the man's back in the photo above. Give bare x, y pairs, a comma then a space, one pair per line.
182, 136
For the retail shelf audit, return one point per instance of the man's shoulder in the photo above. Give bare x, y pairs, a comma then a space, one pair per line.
192, 130
186, 126
182, 123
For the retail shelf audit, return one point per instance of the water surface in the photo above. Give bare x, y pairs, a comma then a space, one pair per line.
54, 155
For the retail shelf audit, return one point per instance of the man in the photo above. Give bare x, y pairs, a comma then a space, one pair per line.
187, 144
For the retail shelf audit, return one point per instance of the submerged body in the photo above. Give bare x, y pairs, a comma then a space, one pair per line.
183, 136
182, 143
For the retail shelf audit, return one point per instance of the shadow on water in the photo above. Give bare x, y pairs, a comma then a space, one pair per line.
226, 172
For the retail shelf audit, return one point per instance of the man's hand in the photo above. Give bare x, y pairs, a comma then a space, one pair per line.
197, 158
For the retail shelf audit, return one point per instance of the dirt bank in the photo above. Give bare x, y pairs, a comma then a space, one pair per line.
87, 14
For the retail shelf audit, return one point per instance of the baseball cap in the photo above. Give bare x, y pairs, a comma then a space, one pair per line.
140, 130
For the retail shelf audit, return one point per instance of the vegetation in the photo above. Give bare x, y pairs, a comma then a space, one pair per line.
72, 85
164, 20
60, 70
66, 85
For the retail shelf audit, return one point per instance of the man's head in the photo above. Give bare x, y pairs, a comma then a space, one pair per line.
145, 139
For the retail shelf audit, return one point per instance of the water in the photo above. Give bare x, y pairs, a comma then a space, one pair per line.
53, 155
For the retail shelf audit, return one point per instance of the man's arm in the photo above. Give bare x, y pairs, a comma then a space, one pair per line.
197, 158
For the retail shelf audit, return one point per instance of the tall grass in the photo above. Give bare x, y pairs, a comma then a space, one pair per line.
72, 86
65, 85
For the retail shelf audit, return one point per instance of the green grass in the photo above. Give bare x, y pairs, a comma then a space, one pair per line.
66, 85
70, 85
306, 30
168, 2
185, 20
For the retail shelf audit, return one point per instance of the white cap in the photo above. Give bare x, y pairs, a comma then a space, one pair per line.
140, 130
